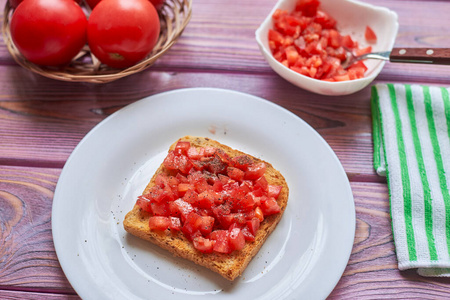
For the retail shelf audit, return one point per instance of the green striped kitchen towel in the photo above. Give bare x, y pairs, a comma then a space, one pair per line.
411, 134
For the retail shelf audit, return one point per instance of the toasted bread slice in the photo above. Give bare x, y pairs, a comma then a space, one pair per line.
231, 265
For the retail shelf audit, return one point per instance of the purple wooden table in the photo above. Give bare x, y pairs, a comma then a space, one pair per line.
42, 120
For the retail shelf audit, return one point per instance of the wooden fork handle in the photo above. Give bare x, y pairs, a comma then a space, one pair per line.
438, 56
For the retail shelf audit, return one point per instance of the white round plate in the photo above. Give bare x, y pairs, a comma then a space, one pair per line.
303, 258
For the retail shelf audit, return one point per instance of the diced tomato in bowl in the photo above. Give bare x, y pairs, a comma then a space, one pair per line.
304, 41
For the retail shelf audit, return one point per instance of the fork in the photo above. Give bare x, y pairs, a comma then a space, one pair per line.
438, 56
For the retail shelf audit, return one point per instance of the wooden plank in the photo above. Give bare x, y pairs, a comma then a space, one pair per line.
27, 254
372, 270
29, 124
28, 260
20, 295
220, 37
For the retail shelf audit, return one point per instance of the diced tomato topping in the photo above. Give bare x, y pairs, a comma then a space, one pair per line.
216, 201
221, 244
181, 178
247, 202
274, 190
209, 151
160, 209
181, 208
261, 183
159, 223
255, 171
226, 220
182, 147
174, 223
192, 224
191, 196
370, 35
259, 214
235, 173
242, 161
177, 162
247, 234
253, 225
236, 239
184, 187
195, 153
270, 207
203, 245
144, 204
306, 40
217, 185
208, 198
207, 224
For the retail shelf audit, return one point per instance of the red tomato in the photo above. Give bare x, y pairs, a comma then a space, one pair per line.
122, 33
370, 35
15, 3
43, 36
92, 3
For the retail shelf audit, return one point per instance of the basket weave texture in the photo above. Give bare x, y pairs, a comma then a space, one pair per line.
174, 16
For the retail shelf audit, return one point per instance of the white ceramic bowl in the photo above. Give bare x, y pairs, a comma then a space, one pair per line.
352, 18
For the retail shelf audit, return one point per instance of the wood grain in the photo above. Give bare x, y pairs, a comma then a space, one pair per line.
27, 254
28, 261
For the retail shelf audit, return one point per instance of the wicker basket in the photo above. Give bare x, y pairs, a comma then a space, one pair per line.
174, 17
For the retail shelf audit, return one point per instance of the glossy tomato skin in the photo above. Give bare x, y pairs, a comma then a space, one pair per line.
43, 36
157, 3
121, 33
15, 3
92, 3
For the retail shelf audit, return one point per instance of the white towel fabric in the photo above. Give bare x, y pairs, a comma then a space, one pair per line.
411, 135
